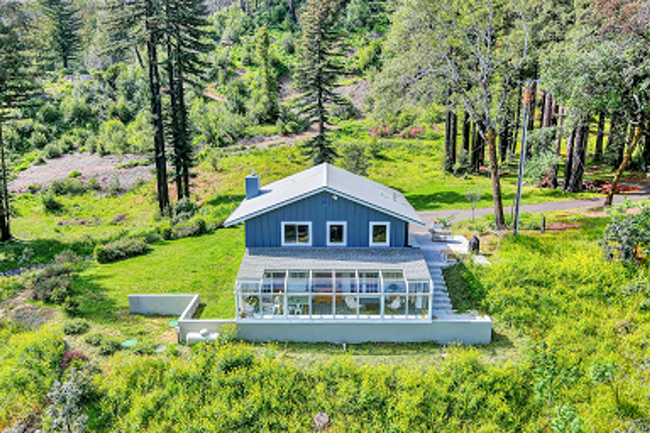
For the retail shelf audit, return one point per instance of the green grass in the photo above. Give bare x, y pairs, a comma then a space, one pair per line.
206, 265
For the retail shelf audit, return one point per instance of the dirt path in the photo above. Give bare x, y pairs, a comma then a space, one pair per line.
465, 214
103, 168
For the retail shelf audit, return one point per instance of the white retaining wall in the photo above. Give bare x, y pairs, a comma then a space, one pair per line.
451, 329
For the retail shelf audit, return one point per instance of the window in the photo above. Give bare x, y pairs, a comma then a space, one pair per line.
379, 234
337, 233
298, 233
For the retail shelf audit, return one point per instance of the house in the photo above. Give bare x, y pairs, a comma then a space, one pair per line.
328, 259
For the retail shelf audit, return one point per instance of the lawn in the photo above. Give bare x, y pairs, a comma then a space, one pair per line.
206, 265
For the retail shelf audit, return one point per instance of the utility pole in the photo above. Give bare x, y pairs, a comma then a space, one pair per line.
528, 97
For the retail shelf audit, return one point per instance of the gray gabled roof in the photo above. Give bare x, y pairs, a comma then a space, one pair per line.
326, 177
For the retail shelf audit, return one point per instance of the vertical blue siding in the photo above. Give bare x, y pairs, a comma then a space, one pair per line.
265, 230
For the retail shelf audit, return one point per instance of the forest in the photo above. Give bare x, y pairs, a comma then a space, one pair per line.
127, 127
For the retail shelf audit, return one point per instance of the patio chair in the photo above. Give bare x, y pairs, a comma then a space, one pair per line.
396, 304
351, 302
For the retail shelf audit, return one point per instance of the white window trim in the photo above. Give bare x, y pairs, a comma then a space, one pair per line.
297, 244
379, 244
345, 233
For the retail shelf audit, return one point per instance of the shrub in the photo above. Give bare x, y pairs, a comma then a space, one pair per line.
166, 231
184, 210
108, 347
93, 184
53, 284
52, 150
195, 227
95, 339
76, 327
72, 358
50, 203
70, 306
68, 400
354, 158
227, 333
68, 186
121, 249
74, 174
67, 256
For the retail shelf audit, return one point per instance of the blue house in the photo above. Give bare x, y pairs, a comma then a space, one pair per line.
327, 244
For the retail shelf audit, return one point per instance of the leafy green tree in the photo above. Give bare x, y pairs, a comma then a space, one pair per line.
60, 28
265, 94
17, 87
319, 65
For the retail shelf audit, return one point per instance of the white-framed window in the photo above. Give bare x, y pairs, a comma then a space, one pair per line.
379, 234
337, 233
296, 233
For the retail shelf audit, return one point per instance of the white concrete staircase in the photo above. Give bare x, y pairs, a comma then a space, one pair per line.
441, 301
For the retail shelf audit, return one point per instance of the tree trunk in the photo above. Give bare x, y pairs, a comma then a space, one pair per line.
499, 219
467, 130
156, 111
579, 152
646, 146
481, 146
451, 131
626, 159
474, 163
504, 136
5, 214
616, 141
598, 152
547, 119
174, 112
513, 150
533, 105
558, 149
569, 159
292, 11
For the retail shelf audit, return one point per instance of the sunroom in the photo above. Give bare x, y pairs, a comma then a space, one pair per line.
307, 291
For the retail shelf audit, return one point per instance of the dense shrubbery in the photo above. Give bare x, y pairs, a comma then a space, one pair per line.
53, 284
120, 249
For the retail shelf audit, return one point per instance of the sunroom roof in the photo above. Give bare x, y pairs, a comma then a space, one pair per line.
409, 260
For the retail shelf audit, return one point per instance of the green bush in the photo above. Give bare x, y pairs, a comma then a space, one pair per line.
74, 186
74, 174
95, 339
52, 150
53, 284
120, 249
108, 347
76, 327
166, 232
50, 203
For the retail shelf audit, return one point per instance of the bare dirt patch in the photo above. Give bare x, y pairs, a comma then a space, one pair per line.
103, 168
17, 309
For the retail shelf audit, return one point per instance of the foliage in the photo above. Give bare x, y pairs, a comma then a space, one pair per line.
120, 250
354, 158
68, 398
53, 284
627, 236
29, 364
50, 203
76, 327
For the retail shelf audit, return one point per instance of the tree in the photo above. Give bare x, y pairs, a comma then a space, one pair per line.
475, 49
142, 19
319, 65
184, 38
17, 87
265, 93
60, 29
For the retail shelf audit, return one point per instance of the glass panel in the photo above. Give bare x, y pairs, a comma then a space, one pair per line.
272, 305
394, 285
379, 234
419, 287
368, 281
336, 234
369, 306
298, 305
419, 306
249, 306
392, 275
303, 234
322, 306
248, 286
347, 306
298, 282
346, 282
395, 305
322, 281
289, 233
273, 282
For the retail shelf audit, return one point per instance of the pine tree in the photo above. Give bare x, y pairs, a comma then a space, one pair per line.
265, 95
186, 41
319, 65
142, 19
17, 87
60, 28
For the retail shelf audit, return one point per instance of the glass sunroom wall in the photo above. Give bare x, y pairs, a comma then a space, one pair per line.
395, 306
346, 297
323, 294
274, 281
419, 301
298, 294
248, 299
